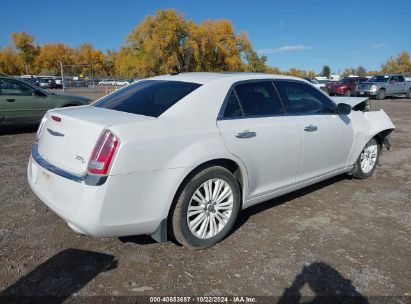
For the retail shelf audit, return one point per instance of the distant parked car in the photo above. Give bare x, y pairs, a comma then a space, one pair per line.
315, 83
121, 82
59, 82
107, 82
24, 103
47, 83
381, 86
33, 80
345, 86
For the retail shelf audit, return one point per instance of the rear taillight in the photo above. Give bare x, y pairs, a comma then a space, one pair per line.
40, 129
103, 153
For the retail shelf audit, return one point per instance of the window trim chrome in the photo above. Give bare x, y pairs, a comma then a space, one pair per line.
87, 179
220, 115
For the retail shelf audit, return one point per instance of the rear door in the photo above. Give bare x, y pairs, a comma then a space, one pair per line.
326, 137
401, 85
22, 103
255, 129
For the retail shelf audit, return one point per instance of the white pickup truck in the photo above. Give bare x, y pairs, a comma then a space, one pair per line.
381, 86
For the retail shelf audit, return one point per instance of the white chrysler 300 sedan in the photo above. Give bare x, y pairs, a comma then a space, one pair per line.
180, 155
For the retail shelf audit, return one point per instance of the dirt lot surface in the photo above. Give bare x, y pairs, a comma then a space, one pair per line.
342, 236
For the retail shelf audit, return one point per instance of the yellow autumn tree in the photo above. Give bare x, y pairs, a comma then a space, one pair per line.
10, 62
166, 43
50, 56
218, 48
400, 64
27, 51
87, 57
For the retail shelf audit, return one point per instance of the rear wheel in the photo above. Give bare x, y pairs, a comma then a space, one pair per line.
368, 159
206, 208
380, 94
348, 93
409, 94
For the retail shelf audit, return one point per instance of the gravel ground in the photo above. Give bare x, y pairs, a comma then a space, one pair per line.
342, 236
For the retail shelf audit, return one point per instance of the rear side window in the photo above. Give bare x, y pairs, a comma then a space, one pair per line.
259, 99
232, 108
300, 98
147, 97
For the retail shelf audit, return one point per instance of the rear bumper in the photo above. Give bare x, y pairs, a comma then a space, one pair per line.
129, 204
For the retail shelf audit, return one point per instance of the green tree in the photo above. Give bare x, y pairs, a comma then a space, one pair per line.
326, 71
348, 72
361, 71
256, 63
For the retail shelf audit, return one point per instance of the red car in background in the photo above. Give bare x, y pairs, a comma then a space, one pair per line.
345, 86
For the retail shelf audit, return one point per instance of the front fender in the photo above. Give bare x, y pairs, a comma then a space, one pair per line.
366, 126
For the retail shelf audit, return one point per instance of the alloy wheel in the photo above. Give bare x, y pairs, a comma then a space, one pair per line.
210, 208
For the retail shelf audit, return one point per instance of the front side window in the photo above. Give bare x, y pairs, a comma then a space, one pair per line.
259, 99
13, 87
147, 97
300, 98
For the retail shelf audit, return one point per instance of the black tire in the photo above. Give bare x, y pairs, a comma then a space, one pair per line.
358, 171
348, 93
178, 217
408, 94
380, 94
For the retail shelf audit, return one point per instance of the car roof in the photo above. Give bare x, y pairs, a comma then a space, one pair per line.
206, 77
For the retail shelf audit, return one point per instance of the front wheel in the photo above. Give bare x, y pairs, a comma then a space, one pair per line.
368, 159
206, 208
380, 94
348, 93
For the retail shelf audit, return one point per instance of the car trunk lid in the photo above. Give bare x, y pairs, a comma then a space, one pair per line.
69, 135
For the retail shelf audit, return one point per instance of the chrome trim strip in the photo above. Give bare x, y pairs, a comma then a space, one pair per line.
46, 165
88, 179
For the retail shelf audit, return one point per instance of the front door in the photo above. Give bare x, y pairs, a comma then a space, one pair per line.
326, 137
255, 129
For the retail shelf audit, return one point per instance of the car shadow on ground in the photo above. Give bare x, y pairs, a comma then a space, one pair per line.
55, 280
244, 215
326, 284
14, 130
138, 239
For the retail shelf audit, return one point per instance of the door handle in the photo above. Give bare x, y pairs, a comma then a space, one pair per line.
11, 100
246, 134
311, 128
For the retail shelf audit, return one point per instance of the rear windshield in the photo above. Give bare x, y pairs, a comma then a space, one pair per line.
147, 97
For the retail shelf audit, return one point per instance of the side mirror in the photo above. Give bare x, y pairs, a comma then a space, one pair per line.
343, 109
